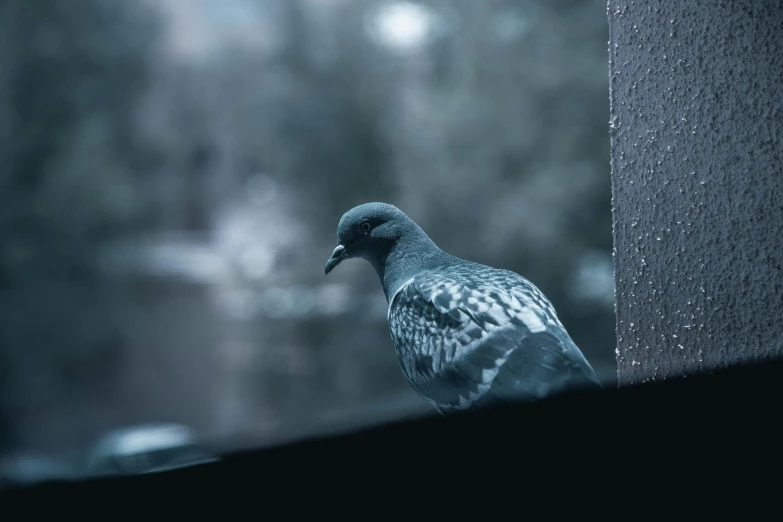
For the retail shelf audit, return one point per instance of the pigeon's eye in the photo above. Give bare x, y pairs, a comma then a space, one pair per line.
365, 227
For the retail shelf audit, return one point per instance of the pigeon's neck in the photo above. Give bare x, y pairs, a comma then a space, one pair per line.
405, 258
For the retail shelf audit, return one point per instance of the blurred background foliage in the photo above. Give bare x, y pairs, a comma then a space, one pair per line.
173, 172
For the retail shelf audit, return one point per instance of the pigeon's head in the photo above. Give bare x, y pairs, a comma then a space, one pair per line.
369, 231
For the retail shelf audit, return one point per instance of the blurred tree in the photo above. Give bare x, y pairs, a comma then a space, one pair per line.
491, 135
70, 77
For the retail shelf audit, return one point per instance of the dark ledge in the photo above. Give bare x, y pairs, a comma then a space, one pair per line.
702, 425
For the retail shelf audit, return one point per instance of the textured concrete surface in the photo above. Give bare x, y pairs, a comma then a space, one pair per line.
697, 181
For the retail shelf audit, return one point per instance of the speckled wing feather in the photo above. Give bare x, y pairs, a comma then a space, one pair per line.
470, 334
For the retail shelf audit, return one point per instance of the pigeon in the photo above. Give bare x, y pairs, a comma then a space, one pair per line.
466, 335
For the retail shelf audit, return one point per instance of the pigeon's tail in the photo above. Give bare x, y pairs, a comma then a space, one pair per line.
584, 378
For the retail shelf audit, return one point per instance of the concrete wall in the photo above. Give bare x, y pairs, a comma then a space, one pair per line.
697, 180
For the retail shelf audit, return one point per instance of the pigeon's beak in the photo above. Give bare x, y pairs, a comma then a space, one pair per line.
337, 256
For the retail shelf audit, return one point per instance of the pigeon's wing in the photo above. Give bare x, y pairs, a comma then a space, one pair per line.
463, 341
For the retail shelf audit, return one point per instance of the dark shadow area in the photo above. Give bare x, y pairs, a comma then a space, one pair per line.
706, 425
